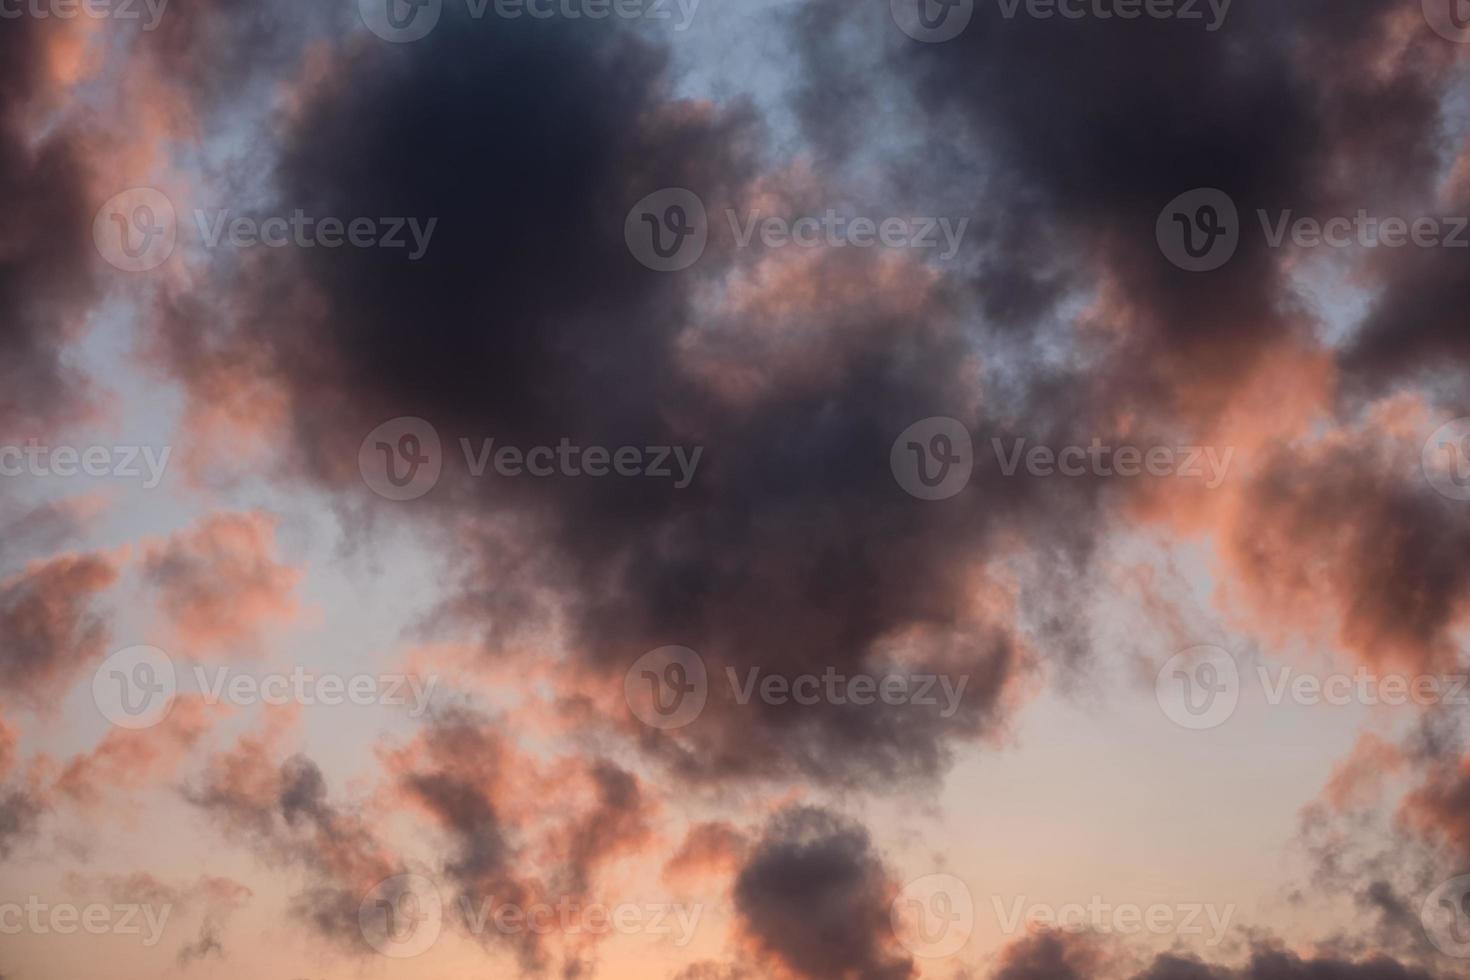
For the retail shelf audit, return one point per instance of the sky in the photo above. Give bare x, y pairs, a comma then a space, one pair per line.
698, 490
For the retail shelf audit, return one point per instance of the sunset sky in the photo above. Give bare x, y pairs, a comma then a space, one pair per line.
735, 489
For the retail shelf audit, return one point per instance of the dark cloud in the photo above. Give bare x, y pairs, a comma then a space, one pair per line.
51, 626
814, 897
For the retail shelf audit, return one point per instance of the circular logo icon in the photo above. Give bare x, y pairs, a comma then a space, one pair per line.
668, 230
401, 21
933, 459
136, 231
933, 21
135, 688
1449, 18
402, 916
1446, 460
1199, 231
667, 688
1199, 688
934, 916
401, 459
1446, 917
